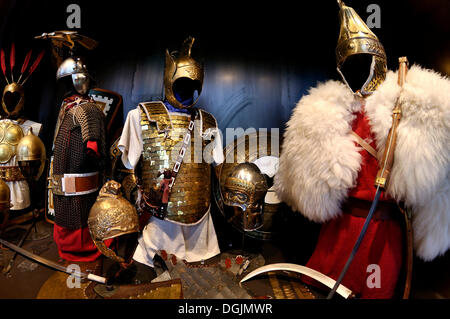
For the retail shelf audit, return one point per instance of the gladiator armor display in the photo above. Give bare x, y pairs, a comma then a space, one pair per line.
166, 163
111, 216
72, 71
245, 189
78, 161
14, 127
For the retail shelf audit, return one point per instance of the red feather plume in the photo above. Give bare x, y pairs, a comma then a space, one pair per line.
36, 62
3, 64
34, 66
12, 57
25, 62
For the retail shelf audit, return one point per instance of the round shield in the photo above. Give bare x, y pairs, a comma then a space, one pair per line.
262, 149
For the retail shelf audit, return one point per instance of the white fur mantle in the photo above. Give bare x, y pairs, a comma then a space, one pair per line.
319, 161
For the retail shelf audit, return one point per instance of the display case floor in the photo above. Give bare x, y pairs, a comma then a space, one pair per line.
25, 278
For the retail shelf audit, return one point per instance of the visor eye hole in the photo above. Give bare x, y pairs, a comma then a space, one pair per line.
11, 99
356, 70
185, 88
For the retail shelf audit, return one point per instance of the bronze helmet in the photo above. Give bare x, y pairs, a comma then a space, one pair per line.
355, 37
182, 66
31, 149
13, 99
245, 188
111, 216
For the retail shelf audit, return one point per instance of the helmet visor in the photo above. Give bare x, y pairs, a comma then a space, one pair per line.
81, 82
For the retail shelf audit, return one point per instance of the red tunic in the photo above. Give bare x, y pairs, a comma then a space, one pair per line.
382, 244
76, 245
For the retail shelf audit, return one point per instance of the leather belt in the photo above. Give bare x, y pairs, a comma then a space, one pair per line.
75, 184
11, 174
360, 208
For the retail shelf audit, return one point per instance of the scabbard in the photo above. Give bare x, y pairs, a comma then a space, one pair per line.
409, 252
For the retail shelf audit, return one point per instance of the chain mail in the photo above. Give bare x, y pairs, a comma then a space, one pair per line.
81, 124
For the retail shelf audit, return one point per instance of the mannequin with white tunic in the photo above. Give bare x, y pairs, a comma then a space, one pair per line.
190, 242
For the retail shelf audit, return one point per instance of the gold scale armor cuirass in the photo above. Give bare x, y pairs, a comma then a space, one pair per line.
190, 196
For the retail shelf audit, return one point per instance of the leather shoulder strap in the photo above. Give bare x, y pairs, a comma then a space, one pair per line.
365, 145
156, 112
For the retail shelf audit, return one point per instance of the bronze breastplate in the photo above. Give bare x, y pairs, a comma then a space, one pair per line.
10, 135
162, 139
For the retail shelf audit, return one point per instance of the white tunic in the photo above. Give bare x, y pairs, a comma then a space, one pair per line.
20, 192
191, 242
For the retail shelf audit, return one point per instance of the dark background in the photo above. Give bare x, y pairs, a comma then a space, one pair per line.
260, 58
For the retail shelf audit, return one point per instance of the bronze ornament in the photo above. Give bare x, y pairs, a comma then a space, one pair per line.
111, 216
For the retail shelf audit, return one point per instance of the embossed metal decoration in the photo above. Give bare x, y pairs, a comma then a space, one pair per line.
245, 189
111, 216
355, 37
250, 148
162, 138
10, 136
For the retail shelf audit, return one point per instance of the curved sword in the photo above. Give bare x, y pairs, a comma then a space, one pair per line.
51, 264
314, 274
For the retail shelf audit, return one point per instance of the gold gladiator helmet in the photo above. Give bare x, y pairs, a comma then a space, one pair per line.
182, 66
355, 37
111, 216
246, 188
13, 99
31, 149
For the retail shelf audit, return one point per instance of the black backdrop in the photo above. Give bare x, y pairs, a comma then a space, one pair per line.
260, 57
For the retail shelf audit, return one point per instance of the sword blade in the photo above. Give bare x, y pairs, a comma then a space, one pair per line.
51, 264
33, 257
358, 242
